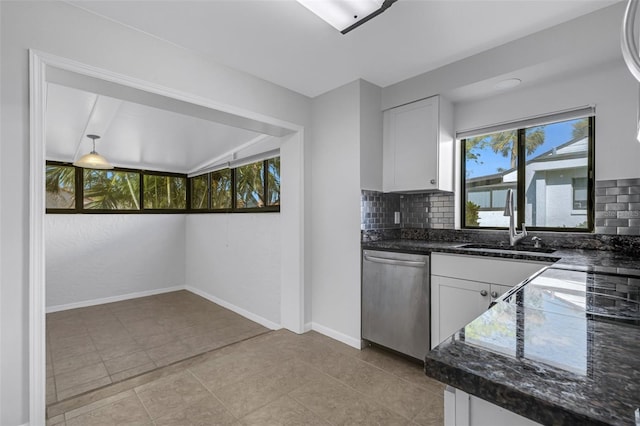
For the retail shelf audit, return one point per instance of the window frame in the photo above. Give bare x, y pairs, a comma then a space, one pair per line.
521, 181
234, 209
79, 193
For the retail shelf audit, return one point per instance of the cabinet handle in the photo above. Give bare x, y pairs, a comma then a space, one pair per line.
483, 293
433, 181
494, 294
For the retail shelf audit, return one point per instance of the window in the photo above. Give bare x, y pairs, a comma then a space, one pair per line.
60, 186
580, 193
250, 186
549, 167
221, 189
111, 190
254, 187
273, 182
165, 192
200, 192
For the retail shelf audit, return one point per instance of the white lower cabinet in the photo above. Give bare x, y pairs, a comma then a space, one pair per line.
462, 409
462, 287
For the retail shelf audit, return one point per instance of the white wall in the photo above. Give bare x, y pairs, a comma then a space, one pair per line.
103, 256
591, 38
611, 88
335, 204
235, 258
61, 29
370, 137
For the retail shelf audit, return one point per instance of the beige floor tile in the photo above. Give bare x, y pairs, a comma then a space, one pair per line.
205, 412
339, 405
432, 414
72, 351
64, 342
151, 341
229, 369
283, 412
127, 362
66, 328
171, 349
82, 388
127, 411
95, 405
255, 391
56, 421
73, 363
119, 348
81, 376
135, 371
51, 395
171, 393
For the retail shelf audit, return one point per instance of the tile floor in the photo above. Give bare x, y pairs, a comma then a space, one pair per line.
276, 378
92, 347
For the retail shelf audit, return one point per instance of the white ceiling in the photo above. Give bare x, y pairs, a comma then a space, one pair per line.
135, 135
283, 42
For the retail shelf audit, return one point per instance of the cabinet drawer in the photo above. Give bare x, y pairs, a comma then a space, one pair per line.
505, 272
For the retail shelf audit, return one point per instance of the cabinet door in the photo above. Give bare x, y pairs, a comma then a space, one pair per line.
410, 154
458, 303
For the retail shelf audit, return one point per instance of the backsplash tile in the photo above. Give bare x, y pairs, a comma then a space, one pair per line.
377, 210
618, 207
425, 210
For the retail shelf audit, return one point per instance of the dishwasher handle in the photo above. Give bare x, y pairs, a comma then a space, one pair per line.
387, 261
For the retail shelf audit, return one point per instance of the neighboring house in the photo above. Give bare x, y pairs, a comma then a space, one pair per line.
556, 186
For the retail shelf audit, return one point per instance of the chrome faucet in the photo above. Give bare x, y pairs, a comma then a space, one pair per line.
514, 236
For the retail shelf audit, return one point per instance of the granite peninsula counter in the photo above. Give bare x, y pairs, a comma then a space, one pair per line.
561, 348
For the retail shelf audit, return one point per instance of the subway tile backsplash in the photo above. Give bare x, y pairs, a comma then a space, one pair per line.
617, 209
426, 210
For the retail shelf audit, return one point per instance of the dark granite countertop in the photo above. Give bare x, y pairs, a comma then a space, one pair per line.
580, 259
561, 348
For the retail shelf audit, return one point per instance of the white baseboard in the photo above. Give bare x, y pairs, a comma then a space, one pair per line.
111, 299
336, 335
307, 327
238, 310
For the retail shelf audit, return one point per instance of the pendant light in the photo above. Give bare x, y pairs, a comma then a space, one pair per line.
93, 160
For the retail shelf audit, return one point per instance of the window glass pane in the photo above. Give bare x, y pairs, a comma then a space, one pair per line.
199, 192
580, 194
250, 185
273, 179
556, 155
164, 192
111, 190
221, 189
490, 160
60, 187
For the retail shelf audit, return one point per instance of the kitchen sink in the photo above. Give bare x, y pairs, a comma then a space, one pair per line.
506, 247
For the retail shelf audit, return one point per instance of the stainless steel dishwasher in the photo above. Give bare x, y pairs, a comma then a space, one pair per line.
396, 301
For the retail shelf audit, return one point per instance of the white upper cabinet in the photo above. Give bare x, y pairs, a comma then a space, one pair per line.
418, 147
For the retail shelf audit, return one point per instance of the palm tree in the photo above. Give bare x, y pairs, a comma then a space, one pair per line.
109, 190
580, 128
60, 186
506, 144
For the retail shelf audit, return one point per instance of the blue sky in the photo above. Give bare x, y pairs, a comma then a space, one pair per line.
488, 163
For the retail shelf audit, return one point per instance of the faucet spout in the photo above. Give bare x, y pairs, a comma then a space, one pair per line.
514, 236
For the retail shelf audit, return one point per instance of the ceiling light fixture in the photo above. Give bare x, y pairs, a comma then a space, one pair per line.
507, 84
93, 160
346, 15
